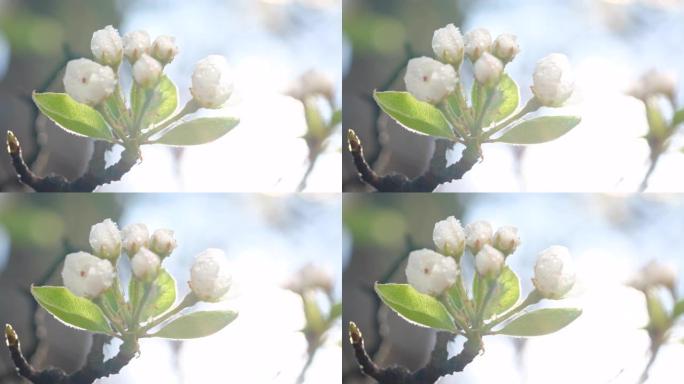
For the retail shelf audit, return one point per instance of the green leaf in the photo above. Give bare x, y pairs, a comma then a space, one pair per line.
678, 117
335, 312
414, 115
657, 127
415, 307
678, 309
539, 130
336, 118
316, 127
197, 324
505, 295
504, 100
541, 322
161, 297
72, 310
163, 103
72, 116
199, 131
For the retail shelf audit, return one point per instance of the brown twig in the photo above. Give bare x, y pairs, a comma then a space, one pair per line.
94, 368
437, 173
439, 364
95, 175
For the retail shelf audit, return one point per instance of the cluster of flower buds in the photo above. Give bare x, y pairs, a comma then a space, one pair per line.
89, 275
310, 277
433, 80
92, 82
433, 272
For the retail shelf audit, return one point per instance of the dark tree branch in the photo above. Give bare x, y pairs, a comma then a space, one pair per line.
93, 369
439, 364
437, 173
95, 175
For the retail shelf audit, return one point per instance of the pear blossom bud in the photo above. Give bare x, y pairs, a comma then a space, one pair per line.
145, 264
317, 83
164, 49
447, 43
310, 277
430, 272
107, 46
478, 234
162, 242
506, 47
105, 239
429, 80
147, 71
209, 277
553, 81
489, 261
212, 83
135, 236
554, 272
86, 275
657, 82
488, 70
655, 274
135, 44
506, 239
88, 82
477, 42
449, 237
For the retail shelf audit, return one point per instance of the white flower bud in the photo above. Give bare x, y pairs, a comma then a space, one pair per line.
553, 81
488, 70
506, 239
147, 71
209, 277
162, 242
447, 43
430, 272
145, 264
506, 47
135, 236
449, 237
554, 272
86, 275
478, 234
655, 274
107, 46
477, 42
105, 239
164, 49
135, 44
657, 82
429, 80
212, 83
88, 82
317, 83
489, 262
310, 277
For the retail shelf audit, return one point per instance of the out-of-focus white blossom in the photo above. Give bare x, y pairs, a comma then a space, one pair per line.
310, 277
655, 274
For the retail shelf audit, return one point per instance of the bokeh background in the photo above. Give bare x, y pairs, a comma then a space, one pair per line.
268, 44
266, 240
609, 42
610, 238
